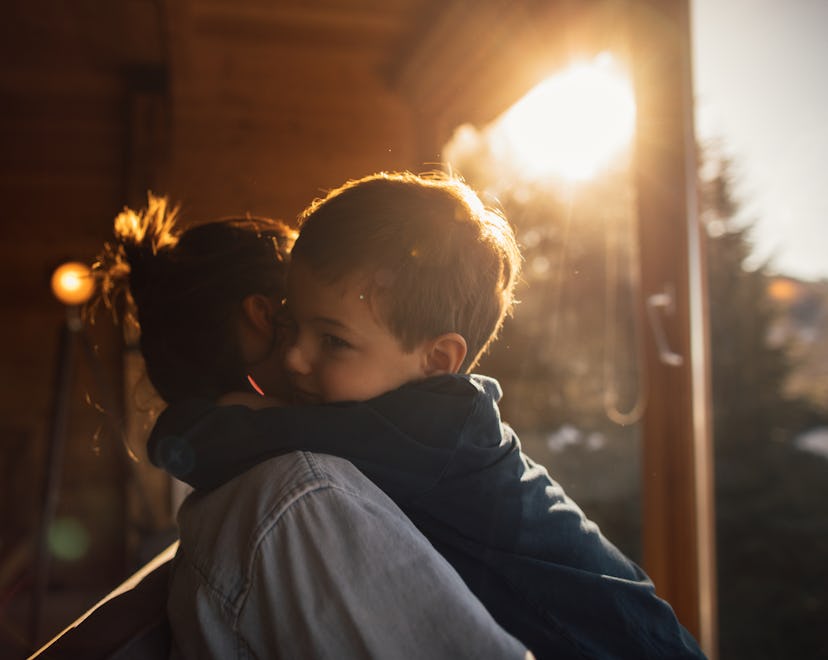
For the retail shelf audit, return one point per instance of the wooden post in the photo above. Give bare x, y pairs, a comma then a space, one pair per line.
677, 473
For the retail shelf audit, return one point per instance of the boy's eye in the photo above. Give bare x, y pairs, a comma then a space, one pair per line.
334, 342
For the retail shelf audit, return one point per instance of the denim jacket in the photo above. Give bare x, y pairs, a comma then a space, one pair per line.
303, 557
438, 448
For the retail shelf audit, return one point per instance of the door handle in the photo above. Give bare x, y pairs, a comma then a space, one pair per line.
663, 302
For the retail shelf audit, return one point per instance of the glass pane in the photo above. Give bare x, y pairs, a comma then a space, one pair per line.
760, 91
568, 358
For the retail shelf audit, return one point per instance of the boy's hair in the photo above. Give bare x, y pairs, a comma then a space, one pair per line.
438, 259
183, 289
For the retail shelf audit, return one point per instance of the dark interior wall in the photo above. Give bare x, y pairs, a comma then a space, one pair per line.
61, 180
63, 137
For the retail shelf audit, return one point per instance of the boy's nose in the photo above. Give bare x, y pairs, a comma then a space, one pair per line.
295, 359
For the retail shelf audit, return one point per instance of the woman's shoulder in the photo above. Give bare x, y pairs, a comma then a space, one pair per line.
276, 484
226, 526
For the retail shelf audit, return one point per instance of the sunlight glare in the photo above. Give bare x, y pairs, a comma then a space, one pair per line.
571, 124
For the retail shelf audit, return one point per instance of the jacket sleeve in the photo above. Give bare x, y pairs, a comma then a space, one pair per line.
390, 438
344, 576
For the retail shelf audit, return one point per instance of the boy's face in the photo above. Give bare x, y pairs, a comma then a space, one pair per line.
342, 351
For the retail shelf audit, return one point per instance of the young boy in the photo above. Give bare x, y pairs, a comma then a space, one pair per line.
398, 284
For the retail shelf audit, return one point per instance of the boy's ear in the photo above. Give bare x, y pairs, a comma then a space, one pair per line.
256, 328
445, 354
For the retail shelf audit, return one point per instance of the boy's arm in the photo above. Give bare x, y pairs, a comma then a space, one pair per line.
249, 400
405, 438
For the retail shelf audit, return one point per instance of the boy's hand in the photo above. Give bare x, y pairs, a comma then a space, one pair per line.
249, 400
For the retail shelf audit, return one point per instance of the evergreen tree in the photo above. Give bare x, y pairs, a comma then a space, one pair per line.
748, 373
769, 496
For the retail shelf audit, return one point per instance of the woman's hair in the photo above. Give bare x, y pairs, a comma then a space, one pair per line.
184, 288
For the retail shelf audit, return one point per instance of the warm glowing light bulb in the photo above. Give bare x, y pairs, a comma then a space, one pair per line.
571, 124
782, 290
72, 283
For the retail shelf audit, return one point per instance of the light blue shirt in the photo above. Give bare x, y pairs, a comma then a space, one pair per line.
304, 557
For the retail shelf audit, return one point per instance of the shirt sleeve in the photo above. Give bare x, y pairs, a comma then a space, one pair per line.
342, 575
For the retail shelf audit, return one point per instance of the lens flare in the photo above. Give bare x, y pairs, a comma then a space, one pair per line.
68, 539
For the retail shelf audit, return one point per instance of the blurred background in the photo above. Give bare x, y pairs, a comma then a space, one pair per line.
666, 362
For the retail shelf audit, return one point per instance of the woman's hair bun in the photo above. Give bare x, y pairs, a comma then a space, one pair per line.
132, 264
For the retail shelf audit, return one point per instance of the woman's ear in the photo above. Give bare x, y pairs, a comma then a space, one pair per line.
259, 311
257, 327
445, 354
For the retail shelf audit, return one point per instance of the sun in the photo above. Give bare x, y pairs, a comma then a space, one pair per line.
571, 124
